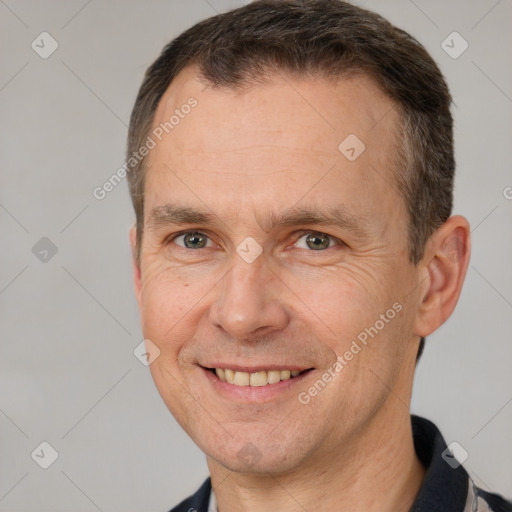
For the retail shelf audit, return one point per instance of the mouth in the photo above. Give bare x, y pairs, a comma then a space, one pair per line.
259, 378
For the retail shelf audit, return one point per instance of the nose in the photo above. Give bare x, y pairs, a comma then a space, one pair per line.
249, 301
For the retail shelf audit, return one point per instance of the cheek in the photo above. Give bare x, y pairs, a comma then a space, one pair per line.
363, 324
366, 335
341, 300
168, 304
170, 311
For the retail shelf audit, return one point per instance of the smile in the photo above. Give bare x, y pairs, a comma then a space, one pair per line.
255, 379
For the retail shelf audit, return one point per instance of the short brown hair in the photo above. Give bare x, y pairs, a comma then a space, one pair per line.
324, 38
319, 38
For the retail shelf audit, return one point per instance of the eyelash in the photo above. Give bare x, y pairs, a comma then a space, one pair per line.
303, 233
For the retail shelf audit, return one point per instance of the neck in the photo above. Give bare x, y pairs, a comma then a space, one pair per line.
379, 473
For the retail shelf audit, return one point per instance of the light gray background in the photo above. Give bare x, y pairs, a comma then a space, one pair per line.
69, 326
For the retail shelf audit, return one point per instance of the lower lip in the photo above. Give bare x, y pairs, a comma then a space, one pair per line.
256, 394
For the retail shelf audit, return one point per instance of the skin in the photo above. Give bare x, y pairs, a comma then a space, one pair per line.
269, 148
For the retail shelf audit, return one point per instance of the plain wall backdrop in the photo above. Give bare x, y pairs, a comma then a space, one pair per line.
69, 322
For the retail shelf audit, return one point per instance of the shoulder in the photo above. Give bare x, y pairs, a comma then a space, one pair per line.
447, 486
494, 502
198, 502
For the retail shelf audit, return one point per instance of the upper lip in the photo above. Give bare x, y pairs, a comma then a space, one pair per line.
256, 368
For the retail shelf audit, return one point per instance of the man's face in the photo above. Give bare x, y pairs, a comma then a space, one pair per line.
264, 168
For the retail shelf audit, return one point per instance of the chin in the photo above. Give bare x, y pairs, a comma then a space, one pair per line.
257, 457
257, 463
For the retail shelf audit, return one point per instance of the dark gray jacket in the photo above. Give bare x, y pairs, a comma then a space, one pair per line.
447, 486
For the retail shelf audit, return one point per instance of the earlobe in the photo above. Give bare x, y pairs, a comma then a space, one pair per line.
445, 265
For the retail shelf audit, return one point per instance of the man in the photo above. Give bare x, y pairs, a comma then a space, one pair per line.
291, 169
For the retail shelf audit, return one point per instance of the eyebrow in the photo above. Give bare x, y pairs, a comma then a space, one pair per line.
295, 216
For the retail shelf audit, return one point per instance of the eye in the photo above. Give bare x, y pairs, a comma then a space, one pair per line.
192, 240
316, 241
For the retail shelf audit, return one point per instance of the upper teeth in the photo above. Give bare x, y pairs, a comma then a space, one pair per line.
254, 379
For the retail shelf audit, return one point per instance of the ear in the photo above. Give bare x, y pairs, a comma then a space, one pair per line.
444, 268
135, 265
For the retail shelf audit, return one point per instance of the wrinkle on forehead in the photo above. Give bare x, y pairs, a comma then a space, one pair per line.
276, 144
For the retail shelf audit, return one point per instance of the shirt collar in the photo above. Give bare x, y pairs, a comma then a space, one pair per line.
445, 487
212, 504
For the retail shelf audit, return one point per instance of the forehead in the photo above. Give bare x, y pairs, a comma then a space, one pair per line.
319, 110
248, 144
